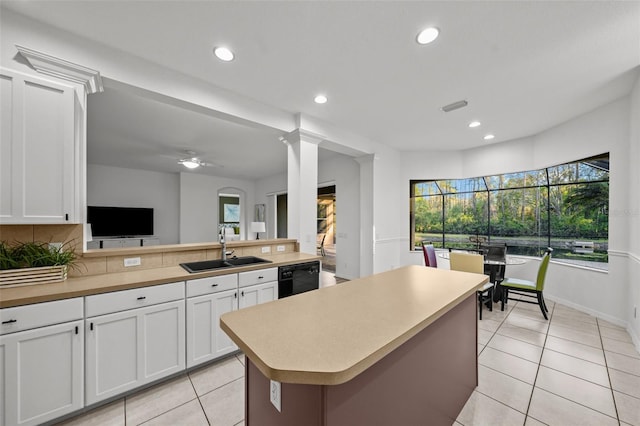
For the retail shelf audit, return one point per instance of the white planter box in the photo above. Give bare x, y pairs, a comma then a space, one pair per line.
30, 276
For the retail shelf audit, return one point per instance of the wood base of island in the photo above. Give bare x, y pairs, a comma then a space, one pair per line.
426, 380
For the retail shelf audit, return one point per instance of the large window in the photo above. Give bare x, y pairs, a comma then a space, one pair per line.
564, 207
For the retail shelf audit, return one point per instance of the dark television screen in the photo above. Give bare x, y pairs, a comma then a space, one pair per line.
120, 221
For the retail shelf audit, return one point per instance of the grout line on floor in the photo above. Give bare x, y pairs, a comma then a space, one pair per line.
198, 398
168, 411
606, 365
535, 379
581, 404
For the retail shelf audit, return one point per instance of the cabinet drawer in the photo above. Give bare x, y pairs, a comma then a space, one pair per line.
40, 315
258, 277
211, 285
101, 304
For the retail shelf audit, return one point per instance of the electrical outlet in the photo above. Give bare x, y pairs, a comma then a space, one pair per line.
55, 246
266, 250
275, 395
132, 261
280, 248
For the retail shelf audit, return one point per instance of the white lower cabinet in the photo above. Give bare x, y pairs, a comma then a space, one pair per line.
216, 296
209, 298
134, 347
58, 357
41, 369
259, 293
257, 287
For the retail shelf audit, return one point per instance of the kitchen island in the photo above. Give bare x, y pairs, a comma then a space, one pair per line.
397, 347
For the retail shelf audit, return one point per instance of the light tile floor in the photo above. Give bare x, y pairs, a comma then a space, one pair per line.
574, 369
571, 370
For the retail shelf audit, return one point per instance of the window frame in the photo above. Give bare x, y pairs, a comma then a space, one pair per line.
545, 184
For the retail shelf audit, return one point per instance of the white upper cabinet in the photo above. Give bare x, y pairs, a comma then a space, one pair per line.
38, 145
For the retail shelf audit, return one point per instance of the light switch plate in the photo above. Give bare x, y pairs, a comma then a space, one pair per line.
275, 395
132, 261
266, 250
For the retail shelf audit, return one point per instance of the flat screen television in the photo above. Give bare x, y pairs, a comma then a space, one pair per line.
120, 221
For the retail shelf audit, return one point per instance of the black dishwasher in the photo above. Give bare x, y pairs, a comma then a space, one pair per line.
298, 278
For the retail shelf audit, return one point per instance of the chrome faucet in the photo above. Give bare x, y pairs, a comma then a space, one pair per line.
223, 241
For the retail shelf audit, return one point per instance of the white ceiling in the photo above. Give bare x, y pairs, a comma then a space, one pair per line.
523, 66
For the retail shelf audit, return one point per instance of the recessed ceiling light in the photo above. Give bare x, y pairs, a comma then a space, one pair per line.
320, 99
224, 54
488, 137
474, 124
427, 35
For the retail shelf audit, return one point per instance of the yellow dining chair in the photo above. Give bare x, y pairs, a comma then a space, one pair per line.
467, 262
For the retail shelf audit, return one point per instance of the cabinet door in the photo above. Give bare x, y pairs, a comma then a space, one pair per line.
205, 338
128, 349
164, 340
41, 373
256, 294
112, 355
37, 150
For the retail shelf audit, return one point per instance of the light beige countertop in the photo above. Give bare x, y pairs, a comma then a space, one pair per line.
329, 336
95, 284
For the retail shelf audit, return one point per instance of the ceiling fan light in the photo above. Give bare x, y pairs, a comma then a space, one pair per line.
190, 163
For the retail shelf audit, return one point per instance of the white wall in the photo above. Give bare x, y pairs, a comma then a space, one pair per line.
199, 206
345, 172
632, 215
185, 205
119, 187
265, 191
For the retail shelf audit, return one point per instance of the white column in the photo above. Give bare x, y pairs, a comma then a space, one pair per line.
302, 188
367, 218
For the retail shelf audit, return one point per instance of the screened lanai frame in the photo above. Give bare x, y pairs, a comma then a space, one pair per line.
545, 188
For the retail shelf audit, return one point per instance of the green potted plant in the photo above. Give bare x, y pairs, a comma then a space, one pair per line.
34, 262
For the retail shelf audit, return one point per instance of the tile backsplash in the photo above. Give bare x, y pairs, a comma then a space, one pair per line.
67, 234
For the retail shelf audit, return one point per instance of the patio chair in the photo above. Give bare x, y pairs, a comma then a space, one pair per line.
429, 253
320, 243
529, 288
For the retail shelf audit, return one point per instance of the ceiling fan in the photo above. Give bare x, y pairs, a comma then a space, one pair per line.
193, 162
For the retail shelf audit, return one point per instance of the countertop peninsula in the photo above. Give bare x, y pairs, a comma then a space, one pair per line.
103, 283
331, 335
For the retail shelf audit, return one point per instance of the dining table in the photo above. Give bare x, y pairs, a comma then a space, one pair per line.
493, 269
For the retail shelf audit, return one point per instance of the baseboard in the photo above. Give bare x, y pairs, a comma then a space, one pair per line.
634, 338
589, 311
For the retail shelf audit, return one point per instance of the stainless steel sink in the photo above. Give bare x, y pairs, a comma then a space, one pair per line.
212, 265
